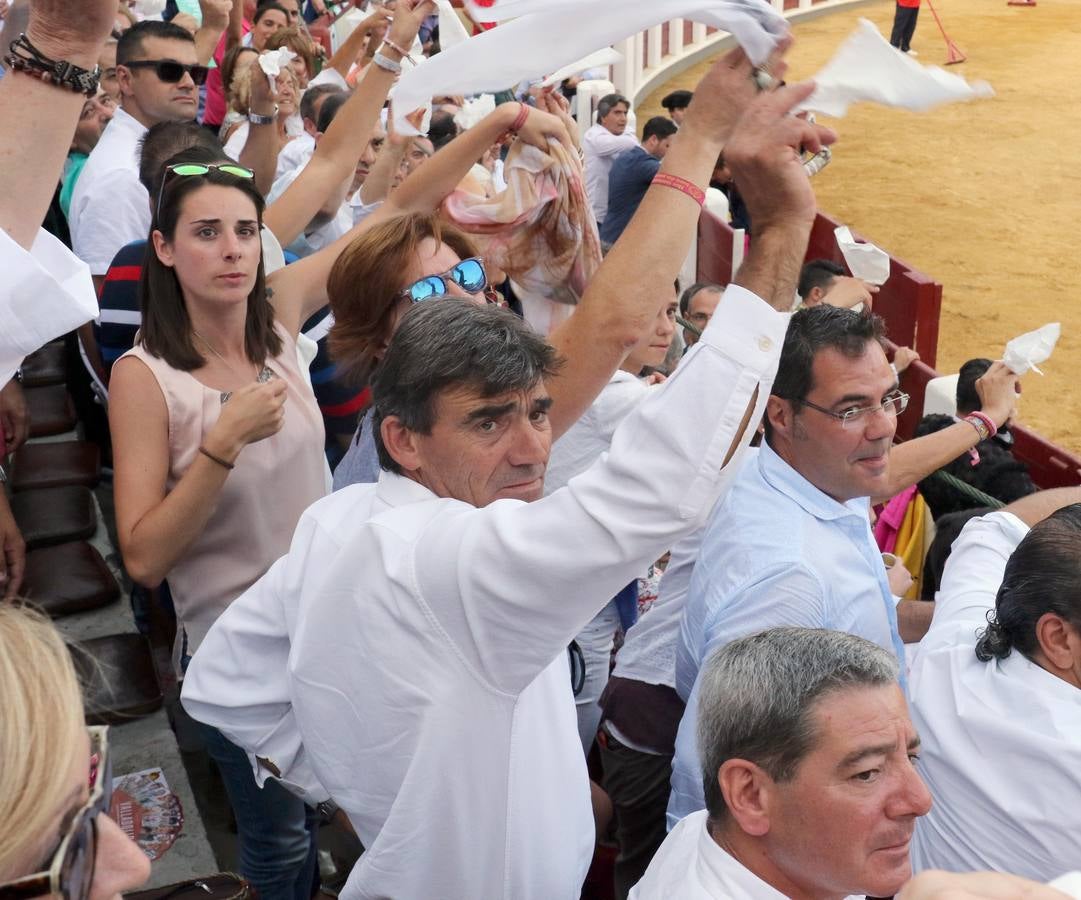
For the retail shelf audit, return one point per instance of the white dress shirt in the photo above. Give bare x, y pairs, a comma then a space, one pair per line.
599, 150
295, 155
690, 865
109, 206
408, 655
44, 292
1001, 750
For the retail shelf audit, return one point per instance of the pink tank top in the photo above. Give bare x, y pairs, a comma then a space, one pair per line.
274, 481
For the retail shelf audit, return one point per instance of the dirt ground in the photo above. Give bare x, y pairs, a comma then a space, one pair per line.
984, 197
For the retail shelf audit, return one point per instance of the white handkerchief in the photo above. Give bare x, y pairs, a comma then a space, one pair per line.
451, 30
150, 9
474, 110
538, 41
1030, 349
866, 67
1069, 884
865, 261
273, 61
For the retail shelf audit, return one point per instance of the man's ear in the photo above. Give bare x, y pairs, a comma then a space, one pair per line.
401, 443
1058, 640
748, 795
123, 81
814, 296
781, 415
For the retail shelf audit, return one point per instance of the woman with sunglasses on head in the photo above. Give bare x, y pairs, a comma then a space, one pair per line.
218, 448
56, 837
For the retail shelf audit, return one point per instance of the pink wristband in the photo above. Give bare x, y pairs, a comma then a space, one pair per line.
681, 184
523, 114
987, 420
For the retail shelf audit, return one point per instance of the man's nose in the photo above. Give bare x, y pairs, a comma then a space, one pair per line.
912, 797
531, 445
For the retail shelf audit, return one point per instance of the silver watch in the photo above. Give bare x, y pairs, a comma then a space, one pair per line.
257, 119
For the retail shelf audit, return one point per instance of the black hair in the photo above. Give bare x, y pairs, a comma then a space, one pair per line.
310, 100
329, 110
815, 329
818, 273
442, 128
688, 295
1043, 575
968, 398
269, 6
677, 100
660, 127
168, 139
947, 528
130, 45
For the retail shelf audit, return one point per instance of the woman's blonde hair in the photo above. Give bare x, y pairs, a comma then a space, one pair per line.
240, 92
41, 717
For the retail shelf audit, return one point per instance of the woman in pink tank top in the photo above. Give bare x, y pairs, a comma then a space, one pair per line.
218, 447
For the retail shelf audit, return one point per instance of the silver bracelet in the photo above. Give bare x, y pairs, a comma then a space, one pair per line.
386, 63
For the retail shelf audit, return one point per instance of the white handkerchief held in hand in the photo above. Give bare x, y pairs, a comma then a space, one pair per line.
150, 9
867, 68
272, 62
534, 40
474, 110
1069, 884
865, 261
1030, 349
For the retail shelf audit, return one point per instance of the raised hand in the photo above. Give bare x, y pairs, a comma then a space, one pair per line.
763, 155
998, 388
72, 30
540, 126
407, 20
251, 414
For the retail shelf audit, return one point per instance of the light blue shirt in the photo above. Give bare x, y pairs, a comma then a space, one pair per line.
776, 551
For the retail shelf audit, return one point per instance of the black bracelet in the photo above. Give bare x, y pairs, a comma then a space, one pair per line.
221, 462
25, 57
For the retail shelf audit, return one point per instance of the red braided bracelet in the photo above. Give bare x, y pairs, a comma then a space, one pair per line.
986, 419
681, 184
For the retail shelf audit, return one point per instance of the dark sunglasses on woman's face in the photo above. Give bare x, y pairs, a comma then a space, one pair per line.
171, 71
70, 871
469, 275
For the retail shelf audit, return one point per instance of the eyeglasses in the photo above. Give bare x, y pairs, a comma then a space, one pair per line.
171, 71
71, 868
469, 275
893, 404
188, 169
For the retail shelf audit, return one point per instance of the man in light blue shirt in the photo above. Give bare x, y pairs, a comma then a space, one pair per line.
791, 544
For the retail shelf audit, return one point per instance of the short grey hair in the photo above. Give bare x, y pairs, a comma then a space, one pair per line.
757, 696
443, 344
609, 102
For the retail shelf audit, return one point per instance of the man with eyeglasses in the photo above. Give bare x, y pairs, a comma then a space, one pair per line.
791, 544
158, 79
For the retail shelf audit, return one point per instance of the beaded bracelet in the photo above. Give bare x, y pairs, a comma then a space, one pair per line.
689, 188
397, 49
26, 58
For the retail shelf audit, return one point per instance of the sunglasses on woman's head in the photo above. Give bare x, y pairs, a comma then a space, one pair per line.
70, 871
170, 71
469, 275
183, 170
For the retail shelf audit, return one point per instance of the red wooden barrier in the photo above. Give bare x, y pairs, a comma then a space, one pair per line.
911, 304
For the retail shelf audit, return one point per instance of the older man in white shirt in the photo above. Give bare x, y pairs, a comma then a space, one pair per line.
807, 761
1000, 714
601, 144
420, 675
157, 75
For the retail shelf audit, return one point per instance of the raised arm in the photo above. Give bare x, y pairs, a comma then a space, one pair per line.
621, 301
39, 115
215, 22
260, 151
914, 460
340, 148
347, 53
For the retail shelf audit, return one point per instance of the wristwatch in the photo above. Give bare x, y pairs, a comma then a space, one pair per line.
257, 119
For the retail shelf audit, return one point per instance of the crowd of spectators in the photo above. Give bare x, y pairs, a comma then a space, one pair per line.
403, 429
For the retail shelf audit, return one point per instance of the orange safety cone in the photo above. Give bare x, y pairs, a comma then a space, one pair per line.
954, 54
